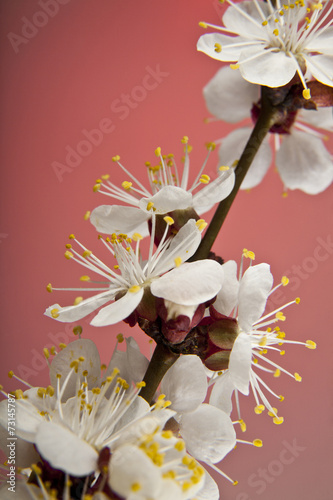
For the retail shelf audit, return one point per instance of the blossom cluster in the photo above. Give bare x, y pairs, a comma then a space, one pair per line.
152, 429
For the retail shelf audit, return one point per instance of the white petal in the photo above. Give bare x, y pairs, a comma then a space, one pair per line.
222, 392
321, 117
166, 200
321, 68
183, 245
208, 433
272, 69
229, 97
191, 283
25, 452
322, 43
239, 23
118, 310
230, 51
304, 163
139, 408
185, 384
137, 362
210, 490
231, 149
61, 364
240, 363
119, 219
214, 192
79, 311
227, 297
129, 465
27, 418
254, 289
65, 450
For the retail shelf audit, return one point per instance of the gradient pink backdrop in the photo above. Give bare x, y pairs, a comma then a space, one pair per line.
67, 78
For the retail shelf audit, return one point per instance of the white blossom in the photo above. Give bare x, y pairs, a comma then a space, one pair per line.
300, 155
270, 44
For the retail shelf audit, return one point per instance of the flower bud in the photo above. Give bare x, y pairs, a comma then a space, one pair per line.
221, 335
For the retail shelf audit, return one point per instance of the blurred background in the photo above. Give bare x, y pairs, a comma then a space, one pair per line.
131, 70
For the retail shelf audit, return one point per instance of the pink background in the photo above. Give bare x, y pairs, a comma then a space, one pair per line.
68, 77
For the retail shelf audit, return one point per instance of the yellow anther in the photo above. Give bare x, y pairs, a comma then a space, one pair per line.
248, 254
87, 215
217, 47
55, 313
280, 316
105, 177
134, 289
277, 373
86, 253
234, 66
81, 359
263, 342
224, 168
136, 487
77, 300
71, 237
137, 237
298, 378
141, 384
178, 261
210, 146
282, 353
180, 445
96, 188
278, 420
276, 32
50, 390
127, 185
150, 205
158, 151
68, 246
201, 224
77, 330
203, 25
297, 300
169, 220
37, 470
85, 373
41, 391
68, 254
116, 158
281, 398
85, 278
280, 335
273, 413
235, 483
242, 425
49, 288
120, 338
255, 361
74, 364
306, 94
284, 280
62, 345
259, 409
10, 374
310, 344
183, 141
46, 352
257, 443
264, 23
167, 434
204, 179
